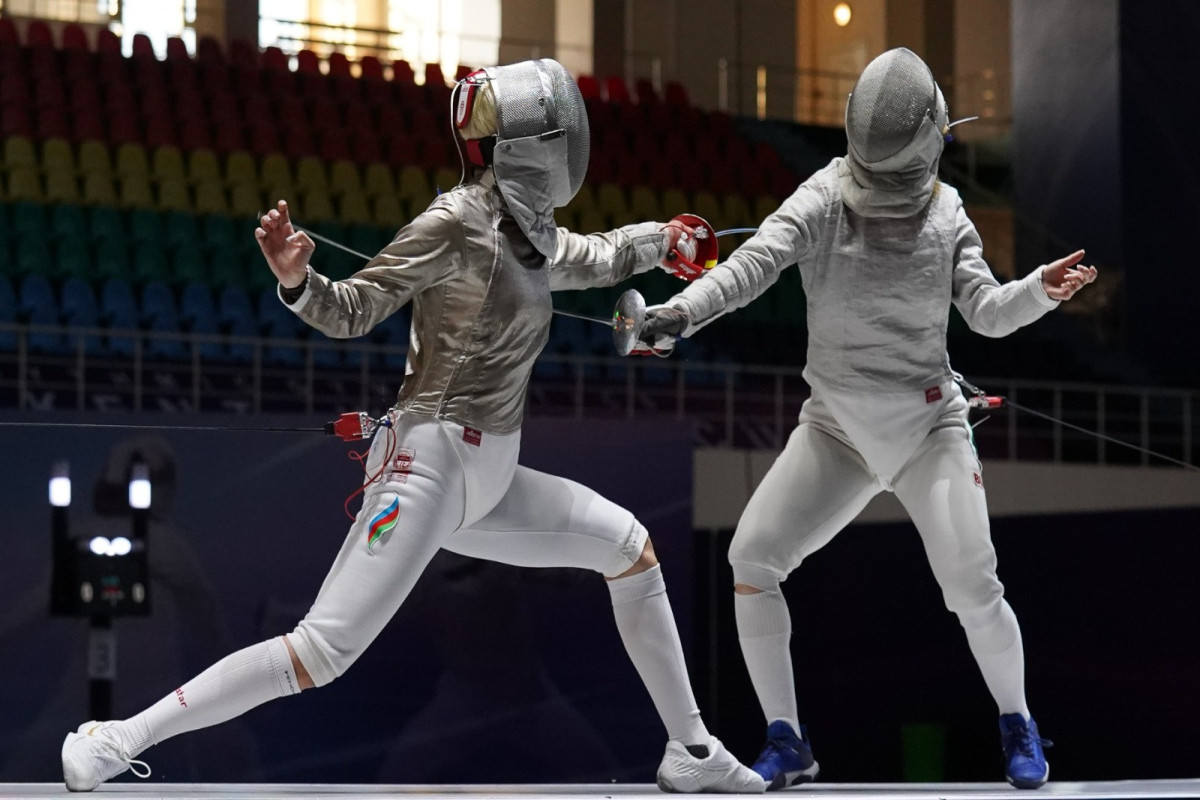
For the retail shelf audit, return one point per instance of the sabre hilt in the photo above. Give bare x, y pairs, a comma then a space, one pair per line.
704, 238
354, 426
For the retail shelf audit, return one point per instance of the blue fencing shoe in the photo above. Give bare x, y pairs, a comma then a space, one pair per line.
786, 758
1024, 762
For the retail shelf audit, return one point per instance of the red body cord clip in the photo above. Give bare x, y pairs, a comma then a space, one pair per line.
352, 426
985, 401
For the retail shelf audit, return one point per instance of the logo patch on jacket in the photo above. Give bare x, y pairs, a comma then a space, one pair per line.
933, 394
382, 523
472, 436
402, 464
978, 480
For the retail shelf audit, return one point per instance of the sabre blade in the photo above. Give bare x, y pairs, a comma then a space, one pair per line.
608, 323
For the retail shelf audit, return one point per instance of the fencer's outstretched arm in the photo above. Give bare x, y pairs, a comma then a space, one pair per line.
424, 252
995, 309
606, 259
784, 238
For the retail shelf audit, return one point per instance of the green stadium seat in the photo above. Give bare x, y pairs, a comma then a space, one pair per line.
146, 226
106, 223
112, 260
68, 220
150, 263
188, 265
30, 219
226, 268
74, 257
32, 256
181, 229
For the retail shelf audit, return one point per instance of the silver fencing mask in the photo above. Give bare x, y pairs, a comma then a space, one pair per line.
542, 144
895, 121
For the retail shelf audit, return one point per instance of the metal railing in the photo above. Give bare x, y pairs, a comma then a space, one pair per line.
54, 368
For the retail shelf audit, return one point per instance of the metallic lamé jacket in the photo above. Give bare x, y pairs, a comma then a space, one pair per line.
481, 300
878, 290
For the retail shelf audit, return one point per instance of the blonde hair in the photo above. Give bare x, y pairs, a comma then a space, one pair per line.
483, 114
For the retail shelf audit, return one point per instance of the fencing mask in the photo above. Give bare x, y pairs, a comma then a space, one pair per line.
542, 141
896, 119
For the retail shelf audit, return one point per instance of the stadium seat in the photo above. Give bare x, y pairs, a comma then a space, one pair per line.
131, 160
197, 312
32, 256
8, 314
387, 211
202, 165
276, 171
344, 178
188, 265
177, 49
246, 201
74, 256
379, 180
173, 195
81, 310
38, 306
25, 184
310, 174
67, 221
94, 159
19, 152
112, 260
167, 164
150, 264
145, 226
160, 314
30, 219
210, 198
99, 190
61, 185
353, 207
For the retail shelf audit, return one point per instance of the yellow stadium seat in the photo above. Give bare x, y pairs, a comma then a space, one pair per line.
25, 184
379, 180
167, 164
445, 179
135, 192
584, 198
94, 159
58, 154
592, 220
99, 189
674, 201
203, 166
310, 175
566, 217
388, 212
644, 205
737, 212
705, 204
611, 201
210, 197
764, 206
344, 178
61, 186
240, 168
354, 208
131, 160
316, 206
173, 194
276, 171
19, 152
414, 185
246, 201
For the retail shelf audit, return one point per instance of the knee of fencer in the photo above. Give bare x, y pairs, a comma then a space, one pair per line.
320, 659
976, 609
753, 579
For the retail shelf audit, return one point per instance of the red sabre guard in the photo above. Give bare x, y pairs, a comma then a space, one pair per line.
707, 249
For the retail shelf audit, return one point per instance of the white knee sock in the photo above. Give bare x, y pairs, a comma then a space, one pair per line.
227, 689
765, 632
647, 627
995, 641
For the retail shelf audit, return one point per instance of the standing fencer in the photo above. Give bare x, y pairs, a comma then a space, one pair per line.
479, 266
883, 249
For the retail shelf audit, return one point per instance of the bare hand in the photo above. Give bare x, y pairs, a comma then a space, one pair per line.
287, 250
1062, 279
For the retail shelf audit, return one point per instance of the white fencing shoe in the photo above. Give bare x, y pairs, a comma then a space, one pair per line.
706, 769
94, 754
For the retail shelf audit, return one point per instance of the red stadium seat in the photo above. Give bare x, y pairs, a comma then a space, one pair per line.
339, 65
177, 50
108, 42
434, 75
274, 60
15, 122
462, 72
615, 90
307, 63
644, 90
243, 54
208, 51
143, 47
8, 32
38, 34
676, 95
402, 72
229, 137
372, 68
589, 87
74, 38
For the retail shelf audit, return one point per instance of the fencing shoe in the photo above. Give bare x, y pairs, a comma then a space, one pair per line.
698, 768
94, 754
1025, 764
786, 758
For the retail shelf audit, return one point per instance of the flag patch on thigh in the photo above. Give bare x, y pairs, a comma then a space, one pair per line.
382, 523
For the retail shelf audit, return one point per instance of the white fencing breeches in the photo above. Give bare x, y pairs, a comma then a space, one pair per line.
445, 486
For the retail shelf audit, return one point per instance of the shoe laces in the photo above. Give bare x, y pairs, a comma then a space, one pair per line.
1022, 740
113, 739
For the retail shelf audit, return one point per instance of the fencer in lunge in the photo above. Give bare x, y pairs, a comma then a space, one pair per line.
478, 266
883, 249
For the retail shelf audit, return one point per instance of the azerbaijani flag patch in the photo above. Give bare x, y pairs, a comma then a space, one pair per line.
382, 523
